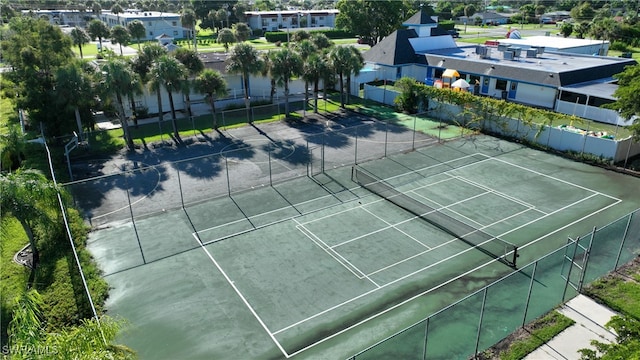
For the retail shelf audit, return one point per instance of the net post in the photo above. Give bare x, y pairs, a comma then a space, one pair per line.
270, 176
386, 136
180, 187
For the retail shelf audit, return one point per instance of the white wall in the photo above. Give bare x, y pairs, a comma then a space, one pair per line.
535, 95
591, 112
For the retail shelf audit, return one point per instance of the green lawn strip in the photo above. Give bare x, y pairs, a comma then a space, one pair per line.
620, 293
13, 277
8, 115
541, 331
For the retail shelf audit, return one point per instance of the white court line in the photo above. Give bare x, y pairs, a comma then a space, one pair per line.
420, 294
501, 194
555, 178
456, 203
333, 253
394, 227
244, 300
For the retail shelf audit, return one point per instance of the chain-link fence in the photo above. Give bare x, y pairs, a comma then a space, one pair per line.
139, 190
482, 319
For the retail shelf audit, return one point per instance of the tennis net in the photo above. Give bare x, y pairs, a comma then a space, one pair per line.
489, 244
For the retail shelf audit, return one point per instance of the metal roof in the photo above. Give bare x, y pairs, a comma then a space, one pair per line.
551, 69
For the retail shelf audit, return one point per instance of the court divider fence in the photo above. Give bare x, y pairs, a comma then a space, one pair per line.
137, 190
482, 319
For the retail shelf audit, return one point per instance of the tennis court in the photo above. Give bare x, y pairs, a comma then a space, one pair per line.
320, 266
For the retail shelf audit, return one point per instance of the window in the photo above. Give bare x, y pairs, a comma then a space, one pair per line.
437, 73
150, 23
474, 79
174, 23
486, 82
501, 84
150, 33
274, 20
320, 17
175, 33
514, 86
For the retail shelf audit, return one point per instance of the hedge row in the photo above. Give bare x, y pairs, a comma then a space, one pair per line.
275, 36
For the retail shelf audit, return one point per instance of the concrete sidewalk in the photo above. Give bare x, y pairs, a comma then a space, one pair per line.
590, 318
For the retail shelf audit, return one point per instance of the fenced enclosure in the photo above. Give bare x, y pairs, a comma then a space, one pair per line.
487, 316
234, 165
613, 146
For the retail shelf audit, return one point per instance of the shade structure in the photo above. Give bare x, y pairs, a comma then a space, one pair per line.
450, 73
460, 83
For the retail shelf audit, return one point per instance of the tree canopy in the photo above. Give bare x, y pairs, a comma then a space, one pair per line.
628, 96
372, 20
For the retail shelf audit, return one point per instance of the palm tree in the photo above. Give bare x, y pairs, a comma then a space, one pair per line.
286, 64
194, 66
266, 71
356, 63
98, 29
226, 37
120, 36
73, 91
242, 31
29, 196
169, 73
315, 69
344, 61
212, 83
188, 19
245, 60
117, 81
137, 30
117, 10
305, 49
79, 37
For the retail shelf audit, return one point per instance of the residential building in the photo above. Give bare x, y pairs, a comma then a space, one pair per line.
156, 23
68, 18
291, 19
484, 18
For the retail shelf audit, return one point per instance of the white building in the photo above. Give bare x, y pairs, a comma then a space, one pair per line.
290, 19
155, 23
70, 18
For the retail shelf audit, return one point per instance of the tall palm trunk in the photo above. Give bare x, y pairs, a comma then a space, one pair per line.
315, 95
341, 90
124, 122
286, 99
133, 109
32, 242
174, 122
245, 79
212, 103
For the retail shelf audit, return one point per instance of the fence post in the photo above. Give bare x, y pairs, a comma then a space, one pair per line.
355, 161
624, 236
135, 228
386, 136
426, 339
413, 140
484, 300
526, 306
571, 265
585, 262
270, 178
226, 165
180, 188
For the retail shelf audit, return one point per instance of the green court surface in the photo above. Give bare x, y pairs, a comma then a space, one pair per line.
321, 268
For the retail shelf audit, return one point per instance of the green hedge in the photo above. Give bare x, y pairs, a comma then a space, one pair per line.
447, 24
275, 36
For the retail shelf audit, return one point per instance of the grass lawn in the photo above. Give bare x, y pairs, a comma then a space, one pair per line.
619, 291
7, 115
523, 342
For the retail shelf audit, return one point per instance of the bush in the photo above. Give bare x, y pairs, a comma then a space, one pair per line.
258, 32
275, 36
619, 46
447, 24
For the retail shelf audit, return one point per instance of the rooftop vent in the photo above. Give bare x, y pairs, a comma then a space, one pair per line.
532, 53
507, 55
483, 52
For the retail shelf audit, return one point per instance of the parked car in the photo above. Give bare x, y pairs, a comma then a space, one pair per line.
454, 33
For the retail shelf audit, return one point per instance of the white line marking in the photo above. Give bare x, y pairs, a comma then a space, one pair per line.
244, 300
